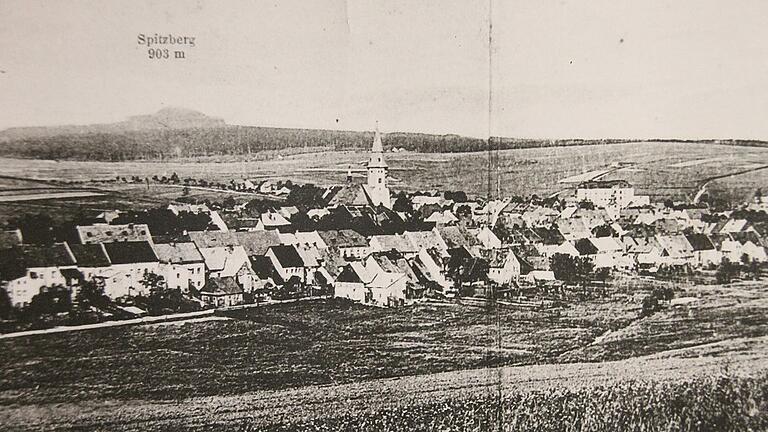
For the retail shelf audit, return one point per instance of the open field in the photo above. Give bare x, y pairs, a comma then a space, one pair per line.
659, 169
335, 342
711, 383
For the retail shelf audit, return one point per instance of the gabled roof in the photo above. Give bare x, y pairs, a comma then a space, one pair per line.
457, 236
392, 242
208, 239
287, 256
747, 236
130, 252
497, 258
225, 259
178, 253
355, 272
222, 286
549, 236
700, 242
675, 244
606, 244
343, 238
258, 242
585, 247
15, 261
426, 240
273, 219
262, 266
90, 255
310, 238
98, 233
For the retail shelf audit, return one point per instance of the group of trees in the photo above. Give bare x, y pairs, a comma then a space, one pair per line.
727, 270
576, 269
162, 221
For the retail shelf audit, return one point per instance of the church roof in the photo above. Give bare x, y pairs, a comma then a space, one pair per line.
377, 156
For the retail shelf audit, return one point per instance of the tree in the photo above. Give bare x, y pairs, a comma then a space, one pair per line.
563, 266
603, 230
724, 272
456, 196
91, 293
50, 301
403, 204
571, 269
6, 307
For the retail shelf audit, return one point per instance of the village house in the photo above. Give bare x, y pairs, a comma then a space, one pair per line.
352, 283
704, 251
272, 221
394, 283
503, 266
258, 242
130, 262
181, 264
394, 242
457, 237
487, 239
676, 250
94, 265
736, 246
350, 244
427, 240
432, 263
288, 262
103, 233
646, 252
229, 261
445, 217
603, 194
25, 269
222, 292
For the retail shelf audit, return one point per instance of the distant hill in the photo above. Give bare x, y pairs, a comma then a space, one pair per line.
166, 118
179, 132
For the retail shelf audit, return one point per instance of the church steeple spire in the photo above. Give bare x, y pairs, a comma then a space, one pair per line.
377, 189
377, 152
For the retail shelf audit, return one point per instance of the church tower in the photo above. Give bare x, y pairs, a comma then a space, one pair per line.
377, 174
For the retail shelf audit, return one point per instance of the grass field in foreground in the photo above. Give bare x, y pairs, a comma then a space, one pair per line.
719, 384
333, 342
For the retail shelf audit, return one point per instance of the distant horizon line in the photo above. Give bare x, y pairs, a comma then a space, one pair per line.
469, 136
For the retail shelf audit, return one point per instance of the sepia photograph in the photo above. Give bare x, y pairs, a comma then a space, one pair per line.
361, 215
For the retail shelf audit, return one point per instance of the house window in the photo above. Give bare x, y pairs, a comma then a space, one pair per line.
33, 275
89, 234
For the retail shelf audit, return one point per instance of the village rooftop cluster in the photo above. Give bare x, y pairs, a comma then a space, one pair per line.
367, 244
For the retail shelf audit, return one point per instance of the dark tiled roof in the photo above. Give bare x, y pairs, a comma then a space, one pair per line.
90, 255
130, 252
222, 286
287, 256
585, 247
700, 242
262, 266
15, 261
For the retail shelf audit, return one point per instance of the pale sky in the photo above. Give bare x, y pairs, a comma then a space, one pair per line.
561, 69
